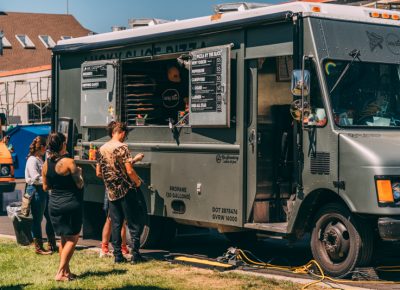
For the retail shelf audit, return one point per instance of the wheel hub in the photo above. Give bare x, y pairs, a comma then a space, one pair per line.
336, 240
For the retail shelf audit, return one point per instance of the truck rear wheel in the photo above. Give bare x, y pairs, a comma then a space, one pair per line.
158, 231
338, 242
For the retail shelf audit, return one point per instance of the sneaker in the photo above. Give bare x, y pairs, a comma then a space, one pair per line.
120, 260
104, 252
124, 250
137, 258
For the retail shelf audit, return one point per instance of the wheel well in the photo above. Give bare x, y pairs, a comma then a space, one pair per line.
309, 207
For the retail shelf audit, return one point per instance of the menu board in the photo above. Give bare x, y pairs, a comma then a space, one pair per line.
209, 83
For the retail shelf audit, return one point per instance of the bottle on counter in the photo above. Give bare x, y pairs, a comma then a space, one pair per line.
92, 152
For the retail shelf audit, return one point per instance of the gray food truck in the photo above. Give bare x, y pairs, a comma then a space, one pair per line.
276, 121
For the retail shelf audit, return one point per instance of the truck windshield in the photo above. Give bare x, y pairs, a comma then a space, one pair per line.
367, 96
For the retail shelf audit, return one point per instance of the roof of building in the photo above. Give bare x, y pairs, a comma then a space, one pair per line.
25, 70
34, 24
190, 27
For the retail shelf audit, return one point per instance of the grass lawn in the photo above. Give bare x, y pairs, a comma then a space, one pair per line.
21, 268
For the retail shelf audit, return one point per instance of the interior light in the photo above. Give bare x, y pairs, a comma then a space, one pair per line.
385, 193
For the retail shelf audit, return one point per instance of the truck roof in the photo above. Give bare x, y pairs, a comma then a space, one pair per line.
227, 20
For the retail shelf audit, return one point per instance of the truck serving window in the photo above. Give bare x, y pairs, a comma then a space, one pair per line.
367, 94
191, 89
154, 92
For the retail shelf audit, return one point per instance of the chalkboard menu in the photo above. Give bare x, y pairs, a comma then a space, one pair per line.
210, 80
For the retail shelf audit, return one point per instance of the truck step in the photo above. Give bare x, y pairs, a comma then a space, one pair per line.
268, 227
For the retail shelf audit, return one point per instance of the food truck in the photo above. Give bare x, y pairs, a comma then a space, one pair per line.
276, 121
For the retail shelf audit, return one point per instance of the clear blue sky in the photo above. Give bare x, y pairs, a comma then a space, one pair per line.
100, 15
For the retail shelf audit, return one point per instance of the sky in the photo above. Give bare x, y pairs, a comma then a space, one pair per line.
100, 15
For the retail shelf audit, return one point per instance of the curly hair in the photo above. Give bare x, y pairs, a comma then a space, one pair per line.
114, 127
55, 142
36, 145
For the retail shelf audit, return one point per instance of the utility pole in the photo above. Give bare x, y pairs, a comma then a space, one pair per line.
67, 7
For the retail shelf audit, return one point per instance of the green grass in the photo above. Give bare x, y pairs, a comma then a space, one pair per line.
21, 268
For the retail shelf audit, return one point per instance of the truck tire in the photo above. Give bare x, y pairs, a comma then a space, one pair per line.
157, 232
339, 242
151, 234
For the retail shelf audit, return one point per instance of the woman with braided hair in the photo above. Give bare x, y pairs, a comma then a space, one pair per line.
39, 197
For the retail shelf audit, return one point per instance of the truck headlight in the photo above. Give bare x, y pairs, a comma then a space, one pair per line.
5, 170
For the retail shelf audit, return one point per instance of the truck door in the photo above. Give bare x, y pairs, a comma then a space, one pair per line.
98, 92
251, 133
269, 134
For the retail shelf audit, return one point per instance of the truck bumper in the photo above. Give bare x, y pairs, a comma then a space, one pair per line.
7, 186
389, 228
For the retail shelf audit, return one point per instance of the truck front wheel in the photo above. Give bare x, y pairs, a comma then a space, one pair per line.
338, 242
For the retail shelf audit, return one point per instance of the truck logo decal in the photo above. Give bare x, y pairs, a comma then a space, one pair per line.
375, 40
393, 43
227, 158
170, 98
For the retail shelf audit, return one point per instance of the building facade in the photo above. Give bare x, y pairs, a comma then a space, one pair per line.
25, 62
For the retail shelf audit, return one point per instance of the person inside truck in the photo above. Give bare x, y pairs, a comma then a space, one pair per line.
380, 106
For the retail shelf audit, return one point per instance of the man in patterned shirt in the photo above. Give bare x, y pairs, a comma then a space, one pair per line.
114, 165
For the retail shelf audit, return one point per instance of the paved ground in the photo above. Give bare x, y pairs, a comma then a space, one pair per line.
210, 244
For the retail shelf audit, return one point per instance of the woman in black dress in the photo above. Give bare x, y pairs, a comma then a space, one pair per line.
63, 178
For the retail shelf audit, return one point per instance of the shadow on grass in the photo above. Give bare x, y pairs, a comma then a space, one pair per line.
15, 287
101, 273
81, 248
141, 287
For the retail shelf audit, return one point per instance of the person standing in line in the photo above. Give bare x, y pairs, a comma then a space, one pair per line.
122, 184
39, 197
106, 233
64, 179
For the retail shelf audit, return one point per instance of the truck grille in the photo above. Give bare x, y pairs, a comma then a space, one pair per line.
320, 163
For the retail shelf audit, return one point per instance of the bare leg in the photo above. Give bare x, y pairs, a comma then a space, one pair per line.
106, 234
62, 244
68, 249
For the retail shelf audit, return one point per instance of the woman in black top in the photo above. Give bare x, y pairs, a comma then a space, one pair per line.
64, 179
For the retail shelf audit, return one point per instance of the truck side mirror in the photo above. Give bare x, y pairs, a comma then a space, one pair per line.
300, 83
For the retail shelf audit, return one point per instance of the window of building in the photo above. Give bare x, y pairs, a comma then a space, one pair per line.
66, 37
47, 41
39, 112
25, 41
6, 43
